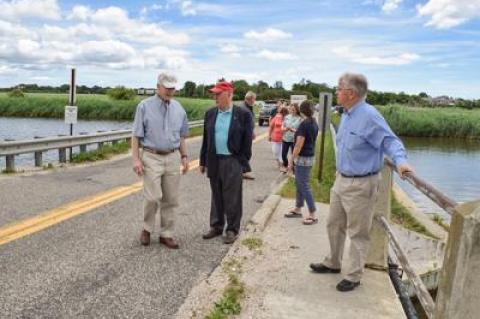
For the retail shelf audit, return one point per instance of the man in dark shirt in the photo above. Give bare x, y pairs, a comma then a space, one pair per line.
248, 103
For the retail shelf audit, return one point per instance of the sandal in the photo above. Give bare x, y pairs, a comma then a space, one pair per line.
293, 214
310, 221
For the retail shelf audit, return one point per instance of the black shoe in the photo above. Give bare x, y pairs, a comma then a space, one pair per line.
230, 237
322, 269
347, 285
212, 233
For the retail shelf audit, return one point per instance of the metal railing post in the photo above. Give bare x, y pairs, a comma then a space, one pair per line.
378, 253
460, 277
10, 163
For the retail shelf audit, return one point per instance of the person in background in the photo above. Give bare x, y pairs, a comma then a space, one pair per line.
226, 150
160, 128
303, 157
362, 140
289, 127
275, 135
248, 104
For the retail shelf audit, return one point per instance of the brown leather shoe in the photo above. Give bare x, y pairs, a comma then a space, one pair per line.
169, 242
212, 233
230, 237
145, 238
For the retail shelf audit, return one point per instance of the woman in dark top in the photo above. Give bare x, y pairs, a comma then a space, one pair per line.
303, 158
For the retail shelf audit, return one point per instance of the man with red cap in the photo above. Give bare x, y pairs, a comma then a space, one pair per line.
226, 150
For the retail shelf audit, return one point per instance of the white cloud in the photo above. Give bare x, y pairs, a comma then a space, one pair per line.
193, 8
17, 9
114, 23
232, 50
445, 14
391, 5
270, 34
10, 30
275, 56
356, 56
6, 70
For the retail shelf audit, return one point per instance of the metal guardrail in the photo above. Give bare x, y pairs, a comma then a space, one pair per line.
10, 149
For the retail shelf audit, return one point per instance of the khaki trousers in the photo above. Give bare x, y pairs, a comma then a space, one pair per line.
352, 202
161, 180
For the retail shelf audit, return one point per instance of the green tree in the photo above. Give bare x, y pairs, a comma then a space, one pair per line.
189, 88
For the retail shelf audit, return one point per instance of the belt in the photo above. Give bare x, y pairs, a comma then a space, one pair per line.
359, 176
223, 156
159, 152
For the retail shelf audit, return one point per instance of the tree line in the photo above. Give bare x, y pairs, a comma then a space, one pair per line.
265, 91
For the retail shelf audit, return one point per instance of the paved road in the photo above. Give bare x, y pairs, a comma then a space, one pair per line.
93, 265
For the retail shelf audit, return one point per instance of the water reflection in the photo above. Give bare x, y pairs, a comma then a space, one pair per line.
451, 165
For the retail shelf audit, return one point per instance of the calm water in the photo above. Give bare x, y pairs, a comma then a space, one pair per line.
451, 165
22, 129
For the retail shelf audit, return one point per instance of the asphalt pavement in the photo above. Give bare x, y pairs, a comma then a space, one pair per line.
92, 265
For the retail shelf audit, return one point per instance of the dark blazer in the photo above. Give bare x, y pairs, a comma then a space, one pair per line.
239, 139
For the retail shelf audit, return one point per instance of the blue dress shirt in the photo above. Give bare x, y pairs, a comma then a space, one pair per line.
362, 140
222, 126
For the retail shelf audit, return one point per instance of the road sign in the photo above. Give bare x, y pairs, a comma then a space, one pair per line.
71, 114
297, 99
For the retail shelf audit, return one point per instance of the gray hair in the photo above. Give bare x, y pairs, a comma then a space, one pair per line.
355, 82
250, 94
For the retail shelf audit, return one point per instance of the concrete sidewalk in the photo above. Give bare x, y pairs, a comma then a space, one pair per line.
279, 283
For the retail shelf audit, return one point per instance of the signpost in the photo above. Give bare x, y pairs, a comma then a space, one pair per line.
71, 110
325, 103
298, 99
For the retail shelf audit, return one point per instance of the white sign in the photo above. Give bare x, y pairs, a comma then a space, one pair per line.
70, 114
297, 99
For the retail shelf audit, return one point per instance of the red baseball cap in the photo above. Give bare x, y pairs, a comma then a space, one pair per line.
222, 86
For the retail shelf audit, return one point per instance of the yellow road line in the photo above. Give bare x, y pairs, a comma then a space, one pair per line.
49, 218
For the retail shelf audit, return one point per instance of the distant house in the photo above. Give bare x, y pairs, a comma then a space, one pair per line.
143, 91
441, 100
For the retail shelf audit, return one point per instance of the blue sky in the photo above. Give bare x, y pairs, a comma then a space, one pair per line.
428, 46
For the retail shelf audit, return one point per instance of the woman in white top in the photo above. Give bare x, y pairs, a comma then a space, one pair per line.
289, 127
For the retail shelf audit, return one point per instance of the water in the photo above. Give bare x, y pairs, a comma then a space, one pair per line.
27, 128
450, 165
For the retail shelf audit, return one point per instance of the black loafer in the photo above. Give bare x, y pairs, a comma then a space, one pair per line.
347, 285
212, 233
230, 237
322, 269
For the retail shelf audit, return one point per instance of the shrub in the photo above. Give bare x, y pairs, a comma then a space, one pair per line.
16, 93
121, 93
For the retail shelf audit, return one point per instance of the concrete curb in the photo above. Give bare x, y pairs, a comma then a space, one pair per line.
208, 290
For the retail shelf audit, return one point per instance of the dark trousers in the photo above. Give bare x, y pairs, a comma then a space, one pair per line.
227, 195
285, 147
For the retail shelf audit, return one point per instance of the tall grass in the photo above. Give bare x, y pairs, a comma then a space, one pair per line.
90, 106
432, 122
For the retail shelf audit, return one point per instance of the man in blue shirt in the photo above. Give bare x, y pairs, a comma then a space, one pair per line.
362, 140
226, 150
159, 131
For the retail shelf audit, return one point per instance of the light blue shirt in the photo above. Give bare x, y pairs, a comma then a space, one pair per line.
222, 126
159, 125
362, 140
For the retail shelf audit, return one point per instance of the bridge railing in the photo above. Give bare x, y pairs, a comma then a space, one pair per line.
460, 274
10, 149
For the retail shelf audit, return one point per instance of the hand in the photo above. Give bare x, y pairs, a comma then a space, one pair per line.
185, 165
202, 169
404, 169
138, 167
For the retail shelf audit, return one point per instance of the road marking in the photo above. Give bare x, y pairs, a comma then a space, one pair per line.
57, 215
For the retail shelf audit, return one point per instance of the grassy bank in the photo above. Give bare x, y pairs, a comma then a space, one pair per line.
432, 122
90, 106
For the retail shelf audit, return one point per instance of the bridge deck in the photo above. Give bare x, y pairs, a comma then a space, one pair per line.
280, 284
